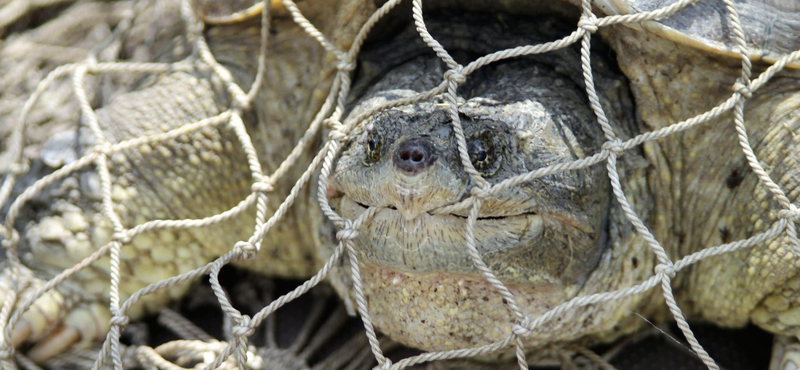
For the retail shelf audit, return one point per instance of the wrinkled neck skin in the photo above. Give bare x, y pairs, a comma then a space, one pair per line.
548, 240
708, 194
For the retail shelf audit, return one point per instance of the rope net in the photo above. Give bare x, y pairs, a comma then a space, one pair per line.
86, 64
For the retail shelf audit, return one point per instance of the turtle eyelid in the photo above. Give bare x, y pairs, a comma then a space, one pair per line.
485, 152
373, 147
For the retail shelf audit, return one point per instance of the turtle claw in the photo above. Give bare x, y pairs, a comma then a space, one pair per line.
42, 314
51, 323
82, 326
20, 333
56, 342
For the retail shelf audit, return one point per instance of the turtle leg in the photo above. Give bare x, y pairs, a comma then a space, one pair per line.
55, 320
77, 311
194, 175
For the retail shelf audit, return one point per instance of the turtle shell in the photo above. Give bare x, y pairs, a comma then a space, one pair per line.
771, 27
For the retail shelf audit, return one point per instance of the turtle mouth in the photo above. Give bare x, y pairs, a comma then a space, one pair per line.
436, 243
433, 212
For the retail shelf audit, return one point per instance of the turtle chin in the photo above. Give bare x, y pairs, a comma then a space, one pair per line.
422, 265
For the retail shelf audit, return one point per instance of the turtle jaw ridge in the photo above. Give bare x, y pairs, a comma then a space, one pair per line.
519, 249
434, 243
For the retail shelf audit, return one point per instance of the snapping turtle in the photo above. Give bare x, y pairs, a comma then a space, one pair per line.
548, 240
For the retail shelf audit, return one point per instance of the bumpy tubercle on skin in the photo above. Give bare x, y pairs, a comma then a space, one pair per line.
194, 176
451, 311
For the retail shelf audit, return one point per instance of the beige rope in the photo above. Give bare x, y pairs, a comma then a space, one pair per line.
236, 353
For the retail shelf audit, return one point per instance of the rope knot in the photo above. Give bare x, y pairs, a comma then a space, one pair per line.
385, 366
665, 269
792, 213
588, 23
121, 237
247, 249
241, 102
7, 353
11, 238
103, 148
481, 193
263, 186
455, 75
243, 328
346, 66
16, 169
742, 89
90, 62
337, 129
120, 321
332, 124
337, 135
348, 231
523, 328
616, 146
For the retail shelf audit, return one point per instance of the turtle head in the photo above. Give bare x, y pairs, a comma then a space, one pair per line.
520, 117
543, 238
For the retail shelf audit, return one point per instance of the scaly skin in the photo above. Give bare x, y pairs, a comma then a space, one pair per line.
714, 202
198, 175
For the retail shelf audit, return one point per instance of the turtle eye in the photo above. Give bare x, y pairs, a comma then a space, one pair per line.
482, 150
373, 144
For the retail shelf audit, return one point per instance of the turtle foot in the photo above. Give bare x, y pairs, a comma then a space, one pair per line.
49, 323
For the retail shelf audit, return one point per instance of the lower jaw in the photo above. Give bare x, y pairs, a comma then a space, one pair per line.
447, 307
447, 311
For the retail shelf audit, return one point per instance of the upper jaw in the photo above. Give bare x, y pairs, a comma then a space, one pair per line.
385, 186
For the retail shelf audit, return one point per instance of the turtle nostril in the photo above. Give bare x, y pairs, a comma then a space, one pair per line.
413, 155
